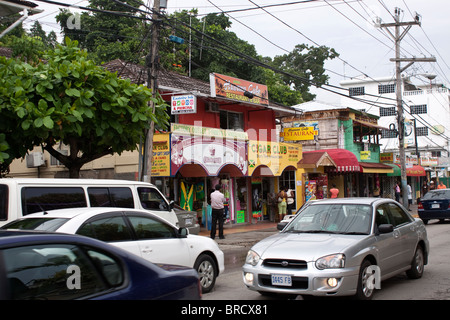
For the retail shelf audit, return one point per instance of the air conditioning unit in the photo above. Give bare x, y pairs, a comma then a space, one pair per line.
212, 107
35, 159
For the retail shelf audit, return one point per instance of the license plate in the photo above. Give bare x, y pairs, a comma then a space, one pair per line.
281, 280
435, 206
188, 222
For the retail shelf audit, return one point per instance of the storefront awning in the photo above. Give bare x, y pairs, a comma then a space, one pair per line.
414, 171
345, 160
373, 167
313, 160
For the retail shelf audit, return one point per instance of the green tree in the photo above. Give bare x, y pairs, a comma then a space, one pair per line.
73, 101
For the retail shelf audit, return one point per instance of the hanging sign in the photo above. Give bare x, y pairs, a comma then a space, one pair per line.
184, 104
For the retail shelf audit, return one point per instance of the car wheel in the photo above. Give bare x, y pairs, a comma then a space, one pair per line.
206, 269
417, 265
365, 288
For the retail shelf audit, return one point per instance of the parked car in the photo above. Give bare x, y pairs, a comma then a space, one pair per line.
137, 231
52, 266
22, 196
187, 219
339, 247
435, 204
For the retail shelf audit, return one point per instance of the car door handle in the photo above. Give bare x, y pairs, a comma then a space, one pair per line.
147, 250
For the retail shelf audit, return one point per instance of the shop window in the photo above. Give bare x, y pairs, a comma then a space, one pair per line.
231, 120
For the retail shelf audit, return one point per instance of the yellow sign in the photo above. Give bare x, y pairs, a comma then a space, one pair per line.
299, 133
387, 157
274, 155
365, 155
161, 155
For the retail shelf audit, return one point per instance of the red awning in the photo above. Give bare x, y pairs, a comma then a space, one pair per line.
415, 171
345, 160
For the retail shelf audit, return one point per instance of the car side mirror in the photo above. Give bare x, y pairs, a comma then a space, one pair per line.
171, 204
183, 233
281, 225
385, 228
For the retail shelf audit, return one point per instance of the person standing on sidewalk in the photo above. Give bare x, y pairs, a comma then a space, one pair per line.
282, 205
290, 195
334, 192
217, 200
409, 197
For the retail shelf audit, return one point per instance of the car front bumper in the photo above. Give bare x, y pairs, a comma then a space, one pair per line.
311, 281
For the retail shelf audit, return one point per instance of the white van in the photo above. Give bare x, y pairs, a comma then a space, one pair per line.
22, 196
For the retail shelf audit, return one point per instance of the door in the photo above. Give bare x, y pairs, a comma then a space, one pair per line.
405, 226
158, 241
389, 244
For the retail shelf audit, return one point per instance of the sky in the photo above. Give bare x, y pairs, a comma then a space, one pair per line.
345, 25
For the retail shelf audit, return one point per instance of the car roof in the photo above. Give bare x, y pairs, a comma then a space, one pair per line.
70, 213
356, 200
66, 181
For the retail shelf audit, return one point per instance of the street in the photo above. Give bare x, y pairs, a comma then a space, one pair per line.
434, 285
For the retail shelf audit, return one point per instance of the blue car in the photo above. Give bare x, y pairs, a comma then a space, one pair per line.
435, 204
51, 266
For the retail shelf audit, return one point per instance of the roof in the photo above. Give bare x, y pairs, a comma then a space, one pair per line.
177, 83
315, 160
316, 105
10, 7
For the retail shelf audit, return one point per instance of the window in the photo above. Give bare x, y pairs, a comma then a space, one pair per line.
398, 216
418, 109
108, 229
3, 202
36, 199
356, 91
231, 120
422, 131
148, 228
111, 197
151, 199
385, 134
42, 272
385, 112
386, 88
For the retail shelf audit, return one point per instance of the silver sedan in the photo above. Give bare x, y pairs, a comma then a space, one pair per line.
339, 247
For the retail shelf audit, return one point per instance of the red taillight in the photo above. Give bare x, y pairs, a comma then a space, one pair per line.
420, 206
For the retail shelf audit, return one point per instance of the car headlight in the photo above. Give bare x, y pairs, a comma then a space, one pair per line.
252, 258
331, 262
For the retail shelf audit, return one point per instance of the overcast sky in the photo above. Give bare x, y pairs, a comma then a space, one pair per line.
345, 25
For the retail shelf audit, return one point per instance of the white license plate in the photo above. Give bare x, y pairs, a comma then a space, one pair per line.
435, 206
281, 280
188, 222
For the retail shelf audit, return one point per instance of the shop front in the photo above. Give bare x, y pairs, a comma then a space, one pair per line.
272, 166
415, 175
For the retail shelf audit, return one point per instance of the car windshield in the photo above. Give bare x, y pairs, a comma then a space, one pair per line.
333, 218
42, 224
437, 194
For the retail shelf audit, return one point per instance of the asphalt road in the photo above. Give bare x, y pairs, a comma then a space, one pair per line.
434, 285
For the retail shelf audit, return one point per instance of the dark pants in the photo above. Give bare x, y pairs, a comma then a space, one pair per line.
217, 216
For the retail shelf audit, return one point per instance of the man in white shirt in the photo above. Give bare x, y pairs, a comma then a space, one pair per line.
217, 200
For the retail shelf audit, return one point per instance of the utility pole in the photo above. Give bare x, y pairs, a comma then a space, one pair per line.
398, 36
152, 76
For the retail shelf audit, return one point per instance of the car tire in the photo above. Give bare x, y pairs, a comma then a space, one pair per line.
363, 292
207, 272
417, 264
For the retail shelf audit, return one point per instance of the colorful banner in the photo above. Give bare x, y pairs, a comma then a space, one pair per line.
184, 104
238, 89
276, 156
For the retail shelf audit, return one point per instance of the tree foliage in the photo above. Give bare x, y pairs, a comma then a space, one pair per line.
71, 100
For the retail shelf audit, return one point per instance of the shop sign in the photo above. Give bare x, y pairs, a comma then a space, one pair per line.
276, 156
365, 155
299, 133
184, 104
238, 89
161, 155
211, 153
386, 157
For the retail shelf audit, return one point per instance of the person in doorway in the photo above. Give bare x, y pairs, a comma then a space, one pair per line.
397, 192
424, 188
282, 204
432, 185
290, 196
334, 191
441, 185
217, 201
409, 197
